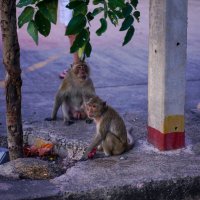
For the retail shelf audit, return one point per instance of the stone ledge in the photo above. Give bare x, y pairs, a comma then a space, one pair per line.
70, 144
30, 168
71, 141
177, 189
142, 173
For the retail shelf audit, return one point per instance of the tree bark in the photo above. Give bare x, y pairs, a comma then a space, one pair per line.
13, 82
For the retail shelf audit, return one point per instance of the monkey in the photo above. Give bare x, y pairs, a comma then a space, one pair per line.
111, 134
76, 87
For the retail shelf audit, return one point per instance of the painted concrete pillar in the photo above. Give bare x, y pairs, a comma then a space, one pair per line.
166, 73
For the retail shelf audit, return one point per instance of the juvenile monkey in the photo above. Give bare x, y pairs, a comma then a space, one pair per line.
111, 134
75, 86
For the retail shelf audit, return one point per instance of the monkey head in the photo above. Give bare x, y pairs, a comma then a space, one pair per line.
95, 107
80, 70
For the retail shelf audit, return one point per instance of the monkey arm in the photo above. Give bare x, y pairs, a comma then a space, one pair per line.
96, 141
104, 127
57, 103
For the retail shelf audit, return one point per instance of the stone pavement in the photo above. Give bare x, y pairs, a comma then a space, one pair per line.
120, 77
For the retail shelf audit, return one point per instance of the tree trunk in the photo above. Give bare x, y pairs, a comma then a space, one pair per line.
13, 82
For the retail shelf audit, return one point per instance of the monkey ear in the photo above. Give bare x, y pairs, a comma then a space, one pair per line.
104, 103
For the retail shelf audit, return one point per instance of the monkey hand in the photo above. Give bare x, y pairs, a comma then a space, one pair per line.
88, 121
92, 153
89, 155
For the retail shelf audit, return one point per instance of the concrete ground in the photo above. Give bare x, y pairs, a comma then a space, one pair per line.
120, 77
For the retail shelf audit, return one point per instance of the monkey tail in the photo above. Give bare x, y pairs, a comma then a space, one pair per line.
130, 138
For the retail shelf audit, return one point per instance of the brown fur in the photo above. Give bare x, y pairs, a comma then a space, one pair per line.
70, 95
111, 132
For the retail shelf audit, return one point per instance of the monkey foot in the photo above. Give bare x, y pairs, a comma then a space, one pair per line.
49, 119
88, 121
68, 122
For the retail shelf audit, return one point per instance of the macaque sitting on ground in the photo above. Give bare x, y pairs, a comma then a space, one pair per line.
75, 87
111, 135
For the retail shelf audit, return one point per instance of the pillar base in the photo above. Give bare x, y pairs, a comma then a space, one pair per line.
164, 142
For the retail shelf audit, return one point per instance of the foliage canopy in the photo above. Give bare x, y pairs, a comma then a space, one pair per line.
39, 14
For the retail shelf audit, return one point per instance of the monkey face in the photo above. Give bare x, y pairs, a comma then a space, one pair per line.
95, 107
80, 70
92, 110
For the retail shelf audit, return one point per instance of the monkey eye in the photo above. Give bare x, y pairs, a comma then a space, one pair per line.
94, 106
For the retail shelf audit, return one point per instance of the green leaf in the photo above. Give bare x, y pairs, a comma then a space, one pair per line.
103, 27
81, 51
88, 49
95, 2
78, 6
134, 3
81, 9
74, 4
22, 3
120, 3
76, 24
127, 23
137, 15
113, 4
129, 35
96, 11
34, 1
119, 14
26, 16
49, 9
81, 40
113, 18
33, 31
127, 10
90, 17
43, 24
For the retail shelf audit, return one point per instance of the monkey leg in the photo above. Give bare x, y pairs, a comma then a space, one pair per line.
49, 119
112, 145
66, 116
57, 103
100, 148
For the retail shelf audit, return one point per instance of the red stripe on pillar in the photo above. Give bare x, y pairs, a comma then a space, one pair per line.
168, 141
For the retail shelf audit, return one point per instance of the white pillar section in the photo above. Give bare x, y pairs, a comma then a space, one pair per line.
166, 76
